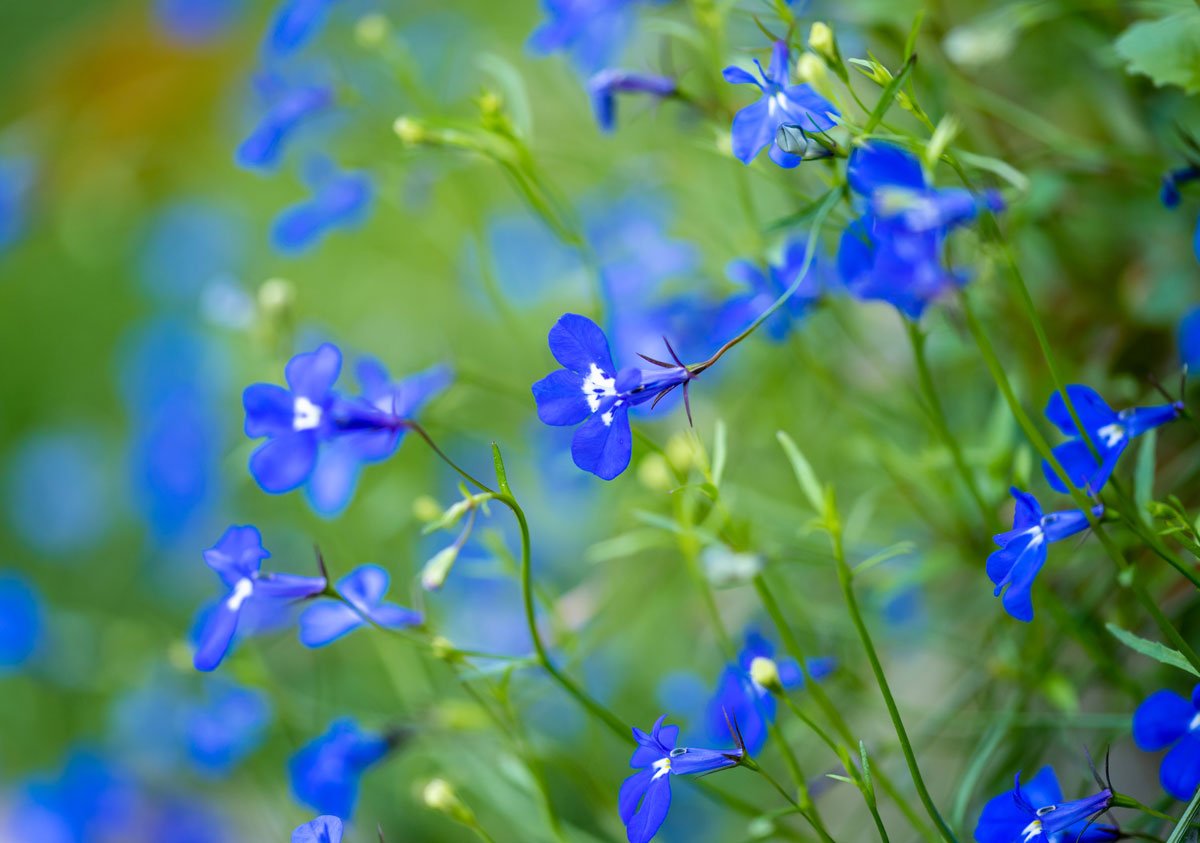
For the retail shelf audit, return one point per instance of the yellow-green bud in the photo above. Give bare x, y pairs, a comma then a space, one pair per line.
410, 131
276, 297
679, 452
440, 796
443, 649
371, 30
821, 40
765, 673
812, 70
433, 575
654, 473
426, 509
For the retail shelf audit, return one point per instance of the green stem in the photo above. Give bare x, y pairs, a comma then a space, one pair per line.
1185, 820
937, 414
845, 577
831, 711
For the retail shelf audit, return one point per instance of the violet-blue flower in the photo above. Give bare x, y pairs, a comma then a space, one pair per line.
296, 22
237, 558
1109, 431
363, 588
592, 32
339, 200
590, 389
225, 727
1165, 719
756, 125
325, 773
1189, 340
90, 799
604, 86
1035, 812
763, 288
749, 706
291, 107
324, 829
20, 621
196, 22
645, 797
893, 252
1023, 550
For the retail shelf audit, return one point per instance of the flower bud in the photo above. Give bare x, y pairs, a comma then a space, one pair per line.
812, 70
679, 452
654, 473
440, 796
443, 649
433, 575
765, 673
276, 296
426, 509
794, 140
822, 42
410, 131
371, 30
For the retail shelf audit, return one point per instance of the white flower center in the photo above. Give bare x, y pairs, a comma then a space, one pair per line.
1195, 724
661, 767
1034, 829
1111, 434
596, 387
305, 414
243, 589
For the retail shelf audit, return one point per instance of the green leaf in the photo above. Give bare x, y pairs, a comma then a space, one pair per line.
888, 97
1178, 835
1152, 649
1166, 50
804, 472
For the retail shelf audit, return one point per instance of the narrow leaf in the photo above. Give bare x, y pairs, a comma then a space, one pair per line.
1152, 649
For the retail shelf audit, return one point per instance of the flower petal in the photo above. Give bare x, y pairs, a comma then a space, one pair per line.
215, 637
737, 76
270, 410
324, 829
753, 128
604, 447
1180, 770
325, 622
1093, 410
282, 464
1161, 720
877, 164
577, 343
656, 801
287, 587
560, 398
313, 374
365, 586
237, 554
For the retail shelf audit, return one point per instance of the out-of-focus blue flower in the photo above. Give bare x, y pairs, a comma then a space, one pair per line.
290, 108
223, 729
756, 125
187, 820
590, 389
324, 829
296, 23
363, 588
188, 246
762, 289
20, 621
1163, 719
339, 200
1035, 811
195, 22
893, 252
169, 373
237, 558
592, 32
1109, 431
17, 175
749, 706
604, 86
1171, 197
645, 797
316, 435
1189, 340
58, 491
325, 773
1023, 550
88, 801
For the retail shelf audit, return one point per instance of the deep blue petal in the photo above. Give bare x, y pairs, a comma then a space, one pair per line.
324, 829
325, 622
631, 793
878, 164
215, 637
270, 410
577, 343
1094, 412
237, 554
656, 801
753, 128
560, 398
603, 448
284, 463
313, 374
1161, 719
296, 23
1180, 771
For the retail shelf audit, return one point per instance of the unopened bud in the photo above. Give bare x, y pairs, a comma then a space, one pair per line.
371, 30
440, 796
679, 452
794, 140
821, 40
276, 297
410, 131
654, 473
433, 575
443, 649
765, 673
426, 509
812, 70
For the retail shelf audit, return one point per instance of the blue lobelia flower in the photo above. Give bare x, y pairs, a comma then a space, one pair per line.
363, 588
324, 829
756, 125
1163, 719
325, 772
764, 287
593, 32
1189, 340
1171, 197
604, 86
290, 108
89, 800
747, 705
237, 558
590, 389
196, 22
1108, 430
224, 728
339, 200
296, 22
645, 796
1023, 551
893, 252
20, 621
1036, 812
